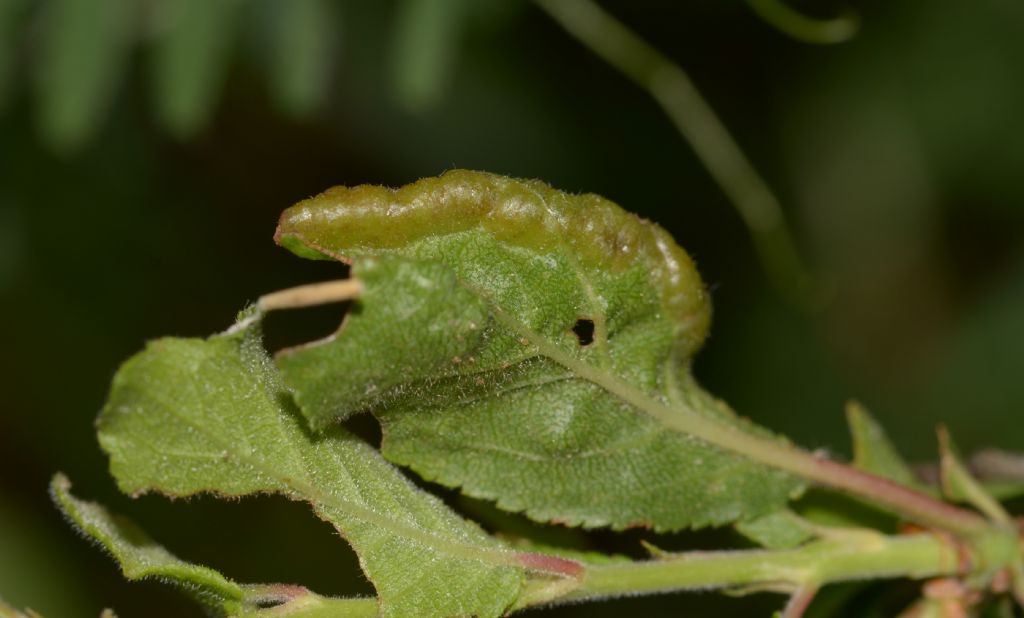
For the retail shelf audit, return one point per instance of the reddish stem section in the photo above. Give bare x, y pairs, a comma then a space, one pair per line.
552, 564
896, 497
279, 593
800, 601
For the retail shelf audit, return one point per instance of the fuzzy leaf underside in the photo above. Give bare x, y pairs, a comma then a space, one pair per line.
140, 557
187, 416
463, 345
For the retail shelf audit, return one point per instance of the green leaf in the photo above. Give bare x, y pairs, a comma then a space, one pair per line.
190, 58
83, 55
463, 344
303, 48
140, 557
782, 529
960, 485
872, 450
187, 416
381, 364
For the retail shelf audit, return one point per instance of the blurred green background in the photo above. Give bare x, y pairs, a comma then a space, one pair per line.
146, 148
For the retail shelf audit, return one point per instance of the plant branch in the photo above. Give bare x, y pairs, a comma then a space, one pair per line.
807, 29
691, 114
850, 557
800, 600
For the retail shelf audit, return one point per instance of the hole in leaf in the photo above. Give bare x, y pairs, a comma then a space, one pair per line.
584, 329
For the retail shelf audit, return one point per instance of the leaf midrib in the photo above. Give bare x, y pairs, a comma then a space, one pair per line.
678, 418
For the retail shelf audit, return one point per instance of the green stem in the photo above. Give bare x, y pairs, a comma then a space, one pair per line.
807, 29
958, 483
859, 557
800, 600
673, 90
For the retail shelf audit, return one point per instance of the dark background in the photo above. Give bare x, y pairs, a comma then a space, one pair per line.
138, 200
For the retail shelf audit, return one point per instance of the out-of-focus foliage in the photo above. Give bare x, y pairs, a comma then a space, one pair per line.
426, 39
81, 58
79, 54
896, 155
303, 48
191, 47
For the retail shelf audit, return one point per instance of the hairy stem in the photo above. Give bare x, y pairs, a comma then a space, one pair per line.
900, 499
673, 90
855, 557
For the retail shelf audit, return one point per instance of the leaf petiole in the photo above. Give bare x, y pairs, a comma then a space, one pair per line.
312, 295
